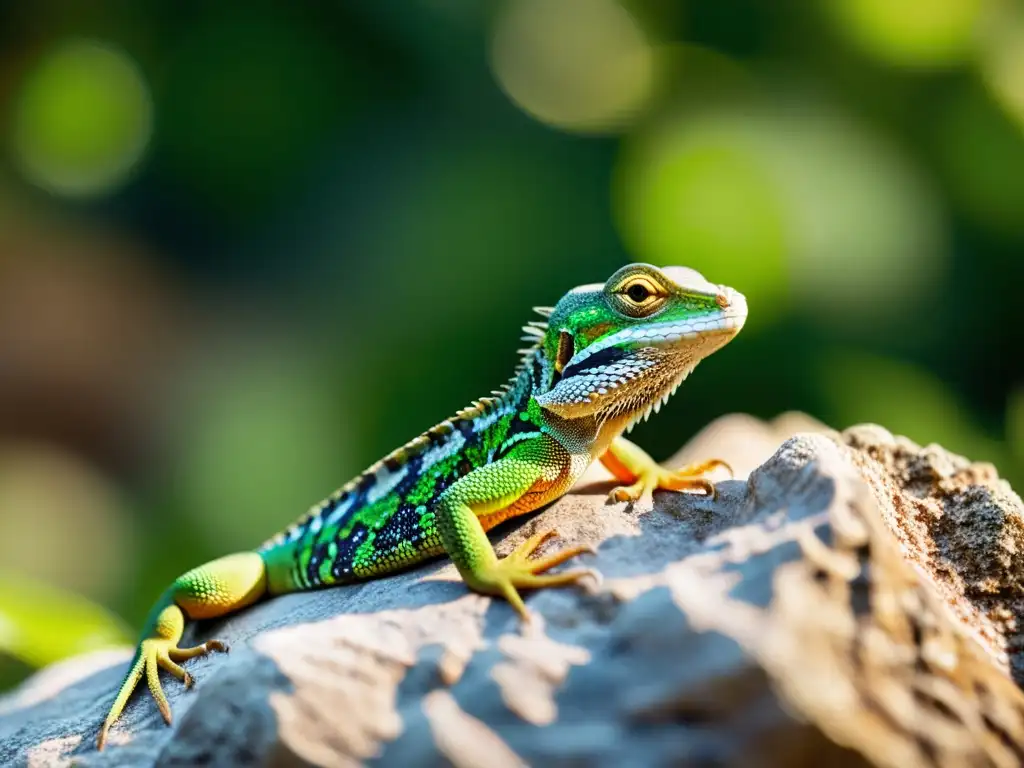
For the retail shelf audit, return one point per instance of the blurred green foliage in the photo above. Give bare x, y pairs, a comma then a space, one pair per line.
83, 118
246, 248
40, 624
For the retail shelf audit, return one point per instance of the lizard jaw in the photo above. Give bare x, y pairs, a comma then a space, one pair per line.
654, 407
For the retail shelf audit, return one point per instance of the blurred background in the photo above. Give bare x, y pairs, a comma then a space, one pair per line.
247, 248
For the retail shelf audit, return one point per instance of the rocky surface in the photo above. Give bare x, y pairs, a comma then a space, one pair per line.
848, 599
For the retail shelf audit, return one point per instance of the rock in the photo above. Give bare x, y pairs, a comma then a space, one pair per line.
849, 599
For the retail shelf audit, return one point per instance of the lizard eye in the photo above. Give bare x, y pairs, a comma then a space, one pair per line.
637, 293
639, 296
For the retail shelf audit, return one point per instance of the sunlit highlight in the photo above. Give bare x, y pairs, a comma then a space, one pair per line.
579, 65
83, 120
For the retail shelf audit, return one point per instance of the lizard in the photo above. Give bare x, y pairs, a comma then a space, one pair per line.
604, 357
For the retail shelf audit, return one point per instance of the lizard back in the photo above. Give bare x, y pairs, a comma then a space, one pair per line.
381, 521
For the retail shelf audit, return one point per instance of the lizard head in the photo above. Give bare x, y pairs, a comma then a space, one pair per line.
618, 350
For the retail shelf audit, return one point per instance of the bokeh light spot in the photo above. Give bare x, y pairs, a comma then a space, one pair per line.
694, 192
915, 34
262, 443
83, 120
57, 507
1002, 59
867, 240
777, 197
580, 65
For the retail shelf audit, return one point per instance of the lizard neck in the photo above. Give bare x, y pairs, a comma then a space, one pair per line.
580, 436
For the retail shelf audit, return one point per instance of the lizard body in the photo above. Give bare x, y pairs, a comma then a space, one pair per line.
609, 355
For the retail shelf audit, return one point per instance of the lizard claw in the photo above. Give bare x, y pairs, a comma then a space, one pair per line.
657, 478
154, 654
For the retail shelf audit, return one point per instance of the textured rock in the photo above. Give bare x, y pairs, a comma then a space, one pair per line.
854, 600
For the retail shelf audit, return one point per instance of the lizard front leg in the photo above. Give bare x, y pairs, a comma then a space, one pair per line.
633, 465
217, 588
513, 485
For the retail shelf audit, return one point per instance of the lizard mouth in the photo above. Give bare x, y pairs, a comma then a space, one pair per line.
729, 321
657, 335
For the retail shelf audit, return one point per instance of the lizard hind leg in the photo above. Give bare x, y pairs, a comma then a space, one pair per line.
215, 589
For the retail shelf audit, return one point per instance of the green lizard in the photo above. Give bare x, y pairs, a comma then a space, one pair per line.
607, 356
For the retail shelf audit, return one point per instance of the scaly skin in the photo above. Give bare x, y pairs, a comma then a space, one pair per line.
608, 355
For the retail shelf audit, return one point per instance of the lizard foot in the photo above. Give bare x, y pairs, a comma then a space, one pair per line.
154, 654
654, 477
519, 571
210, 590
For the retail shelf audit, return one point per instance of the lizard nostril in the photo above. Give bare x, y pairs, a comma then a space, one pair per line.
722, 300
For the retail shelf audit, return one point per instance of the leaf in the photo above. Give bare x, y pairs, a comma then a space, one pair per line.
41, 624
